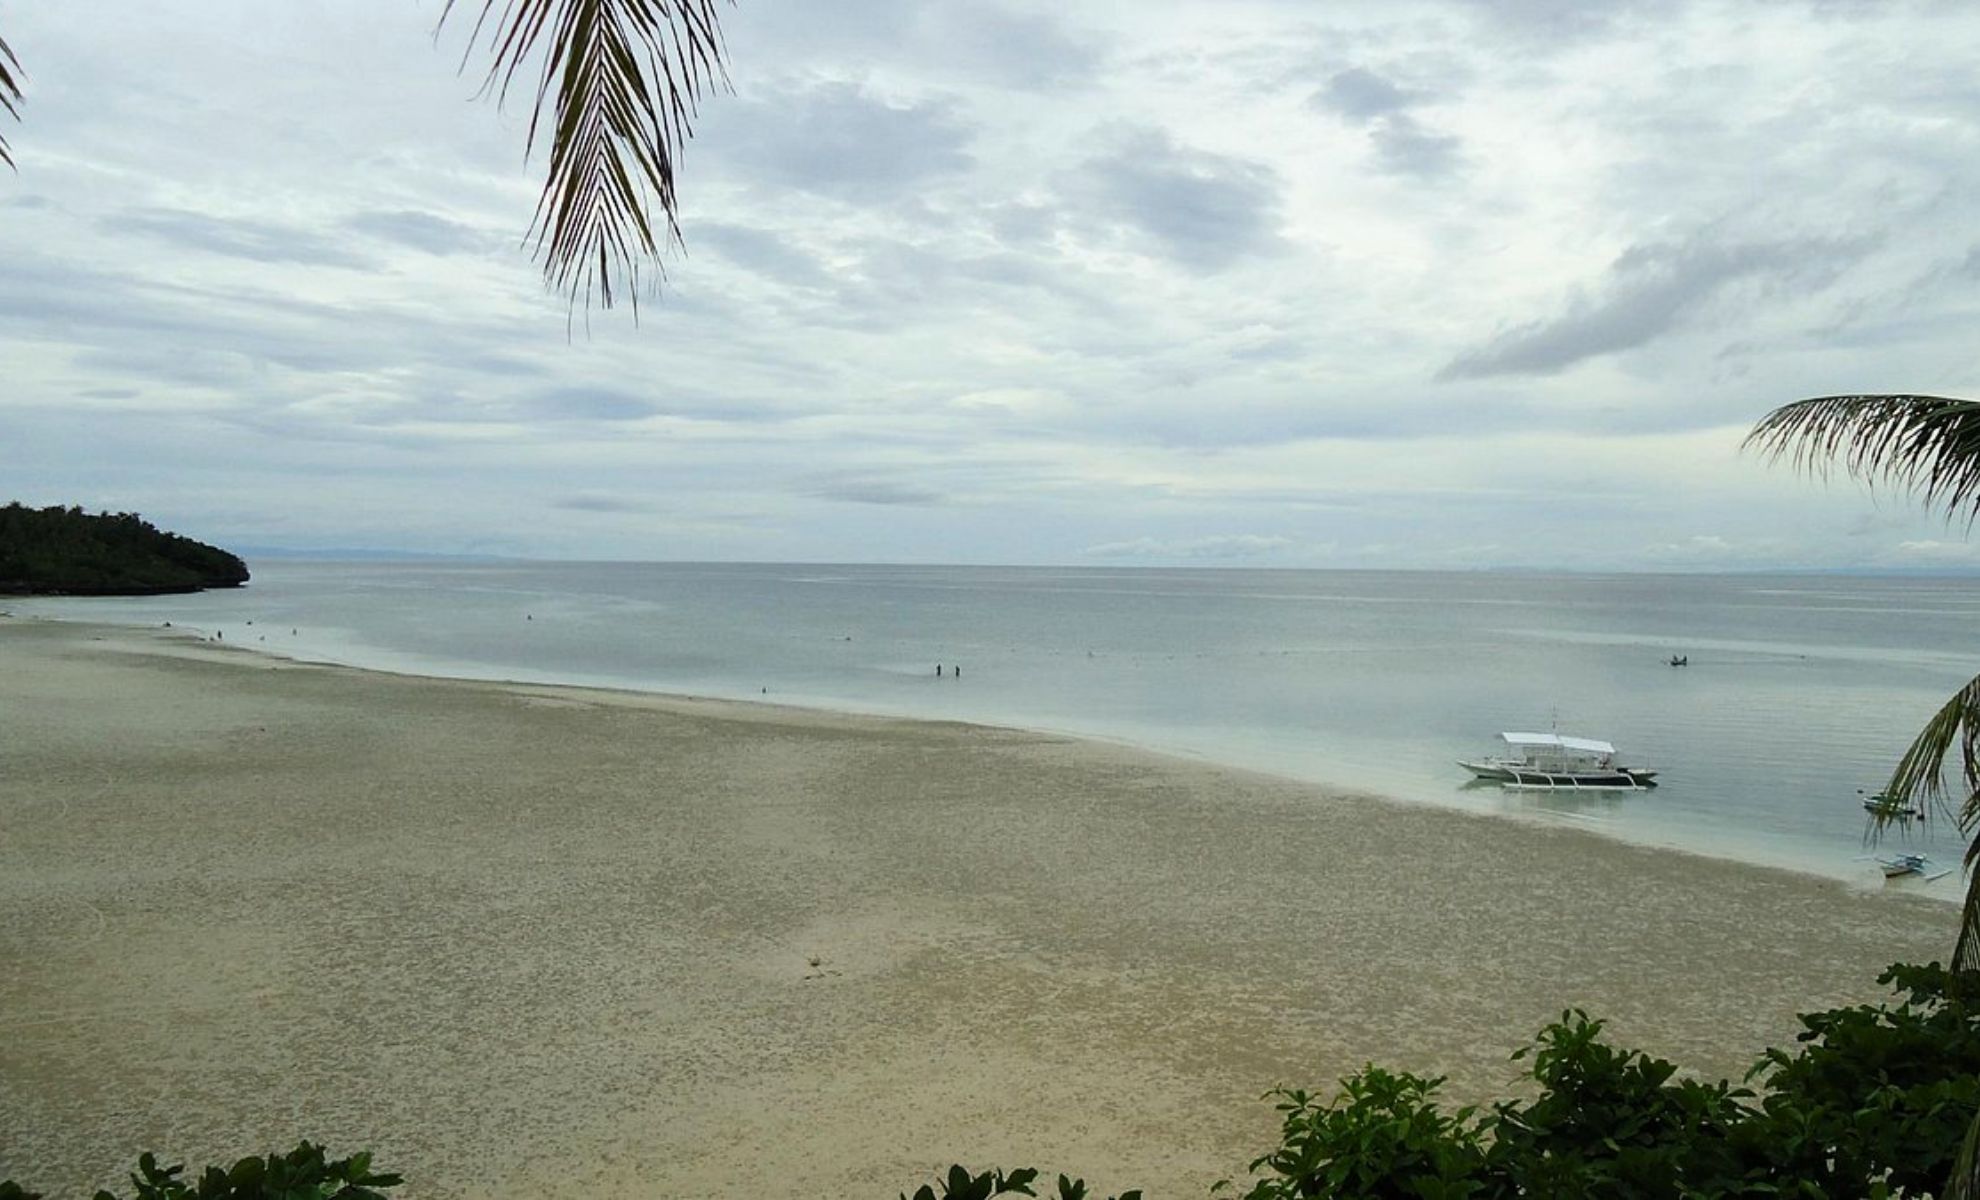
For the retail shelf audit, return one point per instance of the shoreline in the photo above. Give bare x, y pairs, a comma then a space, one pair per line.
529, 936
1752, 852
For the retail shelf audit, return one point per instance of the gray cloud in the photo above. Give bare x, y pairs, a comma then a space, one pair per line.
1363, 95
189, 366
1029, 51
235, 237
1202, 210
764, 252
1243, 545
1649, 290
1000, 45
1404, 147
856, 488
601, 403
1403, 144
840, 140
419, 230
587, 404
593, 503
1549, 23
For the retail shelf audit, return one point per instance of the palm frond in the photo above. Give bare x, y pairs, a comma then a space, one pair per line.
622, 80
1966, 949
1921, 773
1929, 445
10, 92
1965, 1181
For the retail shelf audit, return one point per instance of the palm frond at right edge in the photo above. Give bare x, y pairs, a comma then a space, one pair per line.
1920, 775
1929, 445
10, 92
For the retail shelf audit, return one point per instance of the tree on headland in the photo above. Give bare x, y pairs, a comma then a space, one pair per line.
620, 83
66, 551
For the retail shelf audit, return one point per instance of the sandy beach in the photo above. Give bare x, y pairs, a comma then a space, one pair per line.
519, 939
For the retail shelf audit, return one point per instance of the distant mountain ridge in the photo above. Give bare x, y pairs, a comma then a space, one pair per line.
67, 552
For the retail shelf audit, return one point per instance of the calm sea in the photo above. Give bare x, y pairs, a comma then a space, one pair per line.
1800, 690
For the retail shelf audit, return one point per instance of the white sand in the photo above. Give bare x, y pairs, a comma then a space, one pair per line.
522, 939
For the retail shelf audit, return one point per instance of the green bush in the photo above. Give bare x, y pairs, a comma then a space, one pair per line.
1875, 1101
304, 1173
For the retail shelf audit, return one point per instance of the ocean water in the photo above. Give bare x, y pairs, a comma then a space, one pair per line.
1800, 691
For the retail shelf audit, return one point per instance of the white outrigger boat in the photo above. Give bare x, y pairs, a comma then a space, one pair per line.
1549, 760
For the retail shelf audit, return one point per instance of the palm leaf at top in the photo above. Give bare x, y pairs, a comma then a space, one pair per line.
620, 81
1929, 445
10, 92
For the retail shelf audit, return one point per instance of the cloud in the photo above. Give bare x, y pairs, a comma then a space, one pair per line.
1930, 550
838, 139
1551, 23
1362, 94
1029, 51
981, 42
419, 230
764, 252
234, 237
1696, 547
1200, 210
865, 489
587, 404
1649, 290
594, 503
1244, 545
1403, 146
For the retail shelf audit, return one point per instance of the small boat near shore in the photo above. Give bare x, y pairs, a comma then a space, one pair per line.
1551, 760
1900, 865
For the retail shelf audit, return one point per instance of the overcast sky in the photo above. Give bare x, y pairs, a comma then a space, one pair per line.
1414, 284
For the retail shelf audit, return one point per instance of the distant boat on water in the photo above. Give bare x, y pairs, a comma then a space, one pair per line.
1551, 760
1901, 811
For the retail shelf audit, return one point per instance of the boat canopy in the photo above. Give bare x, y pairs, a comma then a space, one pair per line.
1557, 742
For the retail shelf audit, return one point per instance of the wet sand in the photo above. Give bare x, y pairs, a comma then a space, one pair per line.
525, 939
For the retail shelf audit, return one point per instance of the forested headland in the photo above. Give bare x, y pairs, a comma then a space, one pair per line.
67, 552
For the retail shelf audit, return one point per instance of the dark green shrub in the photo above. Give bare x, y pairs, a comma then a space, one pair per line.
960, 1184
1382, 1136
1876, 1101
304, 1173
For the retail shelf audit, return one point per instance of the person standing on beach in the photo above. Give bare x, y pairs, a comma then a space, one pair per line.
938, 670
